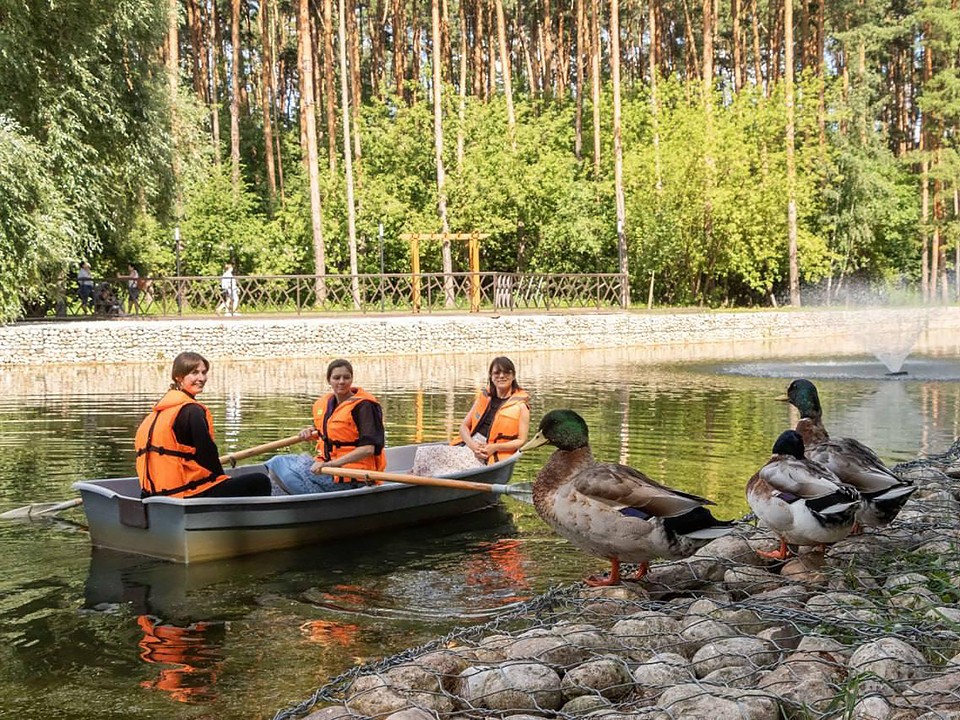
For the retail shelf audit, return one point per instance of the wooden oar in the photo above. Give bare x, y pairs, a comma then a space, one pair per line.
47, 509
521, 491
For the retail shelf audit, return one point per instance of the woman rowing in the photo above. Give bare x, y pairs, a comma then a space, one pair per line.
348, 428
176, 452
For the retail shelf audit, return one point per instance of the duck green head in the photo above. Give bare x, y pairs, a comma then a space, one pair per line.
563, 429
802, 394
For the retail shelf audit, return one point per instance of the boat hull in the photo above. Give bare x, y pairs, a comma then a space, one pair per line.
200, 529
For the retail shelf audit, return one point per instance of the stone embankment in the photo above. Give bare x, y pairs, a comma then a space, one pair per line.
655, 335
870, 630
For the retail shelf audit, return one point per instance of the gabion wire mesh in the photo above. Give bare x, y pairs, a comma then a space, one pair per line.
869, 629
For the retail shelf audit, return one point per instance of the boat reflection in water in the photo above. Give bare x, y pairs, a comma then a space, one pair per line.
188, 653
343, 601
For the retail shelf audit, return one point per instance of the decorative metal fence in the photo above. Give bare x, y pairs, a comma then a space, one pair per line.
298, 294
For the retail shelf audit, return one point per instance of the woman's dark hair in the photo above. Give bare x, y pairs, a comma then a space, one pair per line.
505, 364
184, 364
337, 364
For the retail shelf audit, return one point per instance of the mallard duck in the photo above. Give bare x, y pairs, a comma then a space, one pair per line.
799, 499
613, 511
883, 493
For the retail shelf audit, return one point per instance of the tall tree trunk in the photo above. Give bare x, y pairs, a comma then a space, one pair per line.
235, 54
435, 56
375, 26
791, 161
329, 88
399, 24
755, 26
173, 80
737, 45
581, 36
709, 161
491, 88
479, 84
310, 159
214, 84
773, 62
266, 95
595, 80
462, 90
356, 82
618, 153
347, 160
505, 69
692, 63
199, 45
654, 100
561, 49
416, 54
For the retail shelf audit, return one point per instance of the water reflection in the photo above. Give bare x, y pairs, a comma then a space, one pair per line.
100, 633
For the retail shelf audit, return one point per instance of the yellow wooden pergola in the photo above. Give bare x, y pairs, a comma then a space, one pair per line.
473, 247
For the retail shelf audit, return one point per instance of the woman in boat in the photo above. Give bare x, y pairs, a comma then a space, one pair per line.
348, 428
495, 427
176, 452
498, 422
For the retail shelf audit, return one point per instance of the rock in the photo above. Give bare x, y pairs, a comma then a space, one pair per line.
806, 569
606, 676
787, 596
782, 637
888, 659
872, 707
585, 704
493, 648
647, 632
807, 679
732, 548
909, 591
412, 714
447, 665
399, 688
695, 702
518, 686
544, 646
659, 672
584, 637
734, 677
698, 630
745, 581
845, 607
333, 712
737, 652
938, 693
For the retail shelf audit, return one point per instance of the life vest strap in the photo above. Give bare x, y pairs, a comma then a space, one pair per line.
184, 488
166, 451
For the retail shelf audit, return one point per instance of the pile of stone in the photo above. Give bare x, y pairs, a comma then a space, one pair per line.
868, 631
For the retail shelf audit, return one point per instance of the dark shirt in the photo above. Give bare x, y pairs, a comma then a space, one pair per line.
190, 428
483, 427
368, 417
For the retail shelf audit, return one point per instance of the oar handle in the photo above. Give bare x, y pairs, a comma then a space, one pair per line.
232, 458
371, 475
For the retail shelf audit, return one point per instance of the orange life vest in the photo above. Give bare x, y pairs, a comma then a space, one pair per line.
165, 466
339, 433
506, 423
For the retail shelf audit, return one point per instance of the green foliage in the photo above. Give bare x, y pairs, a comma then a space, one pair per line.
37, 229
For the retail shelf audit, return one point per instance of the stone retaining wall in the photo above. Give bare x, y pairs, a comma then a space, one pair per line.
658, 336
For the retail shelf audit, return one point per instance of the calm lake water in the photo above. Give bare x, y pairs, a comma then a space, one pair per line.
87, 634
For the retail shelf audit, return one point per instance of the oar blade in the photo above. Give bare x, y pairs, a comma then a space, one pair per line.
39, 510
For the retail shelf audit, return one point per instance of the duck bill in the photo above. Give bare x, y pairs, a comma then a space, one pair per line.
782, 398
536, 441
